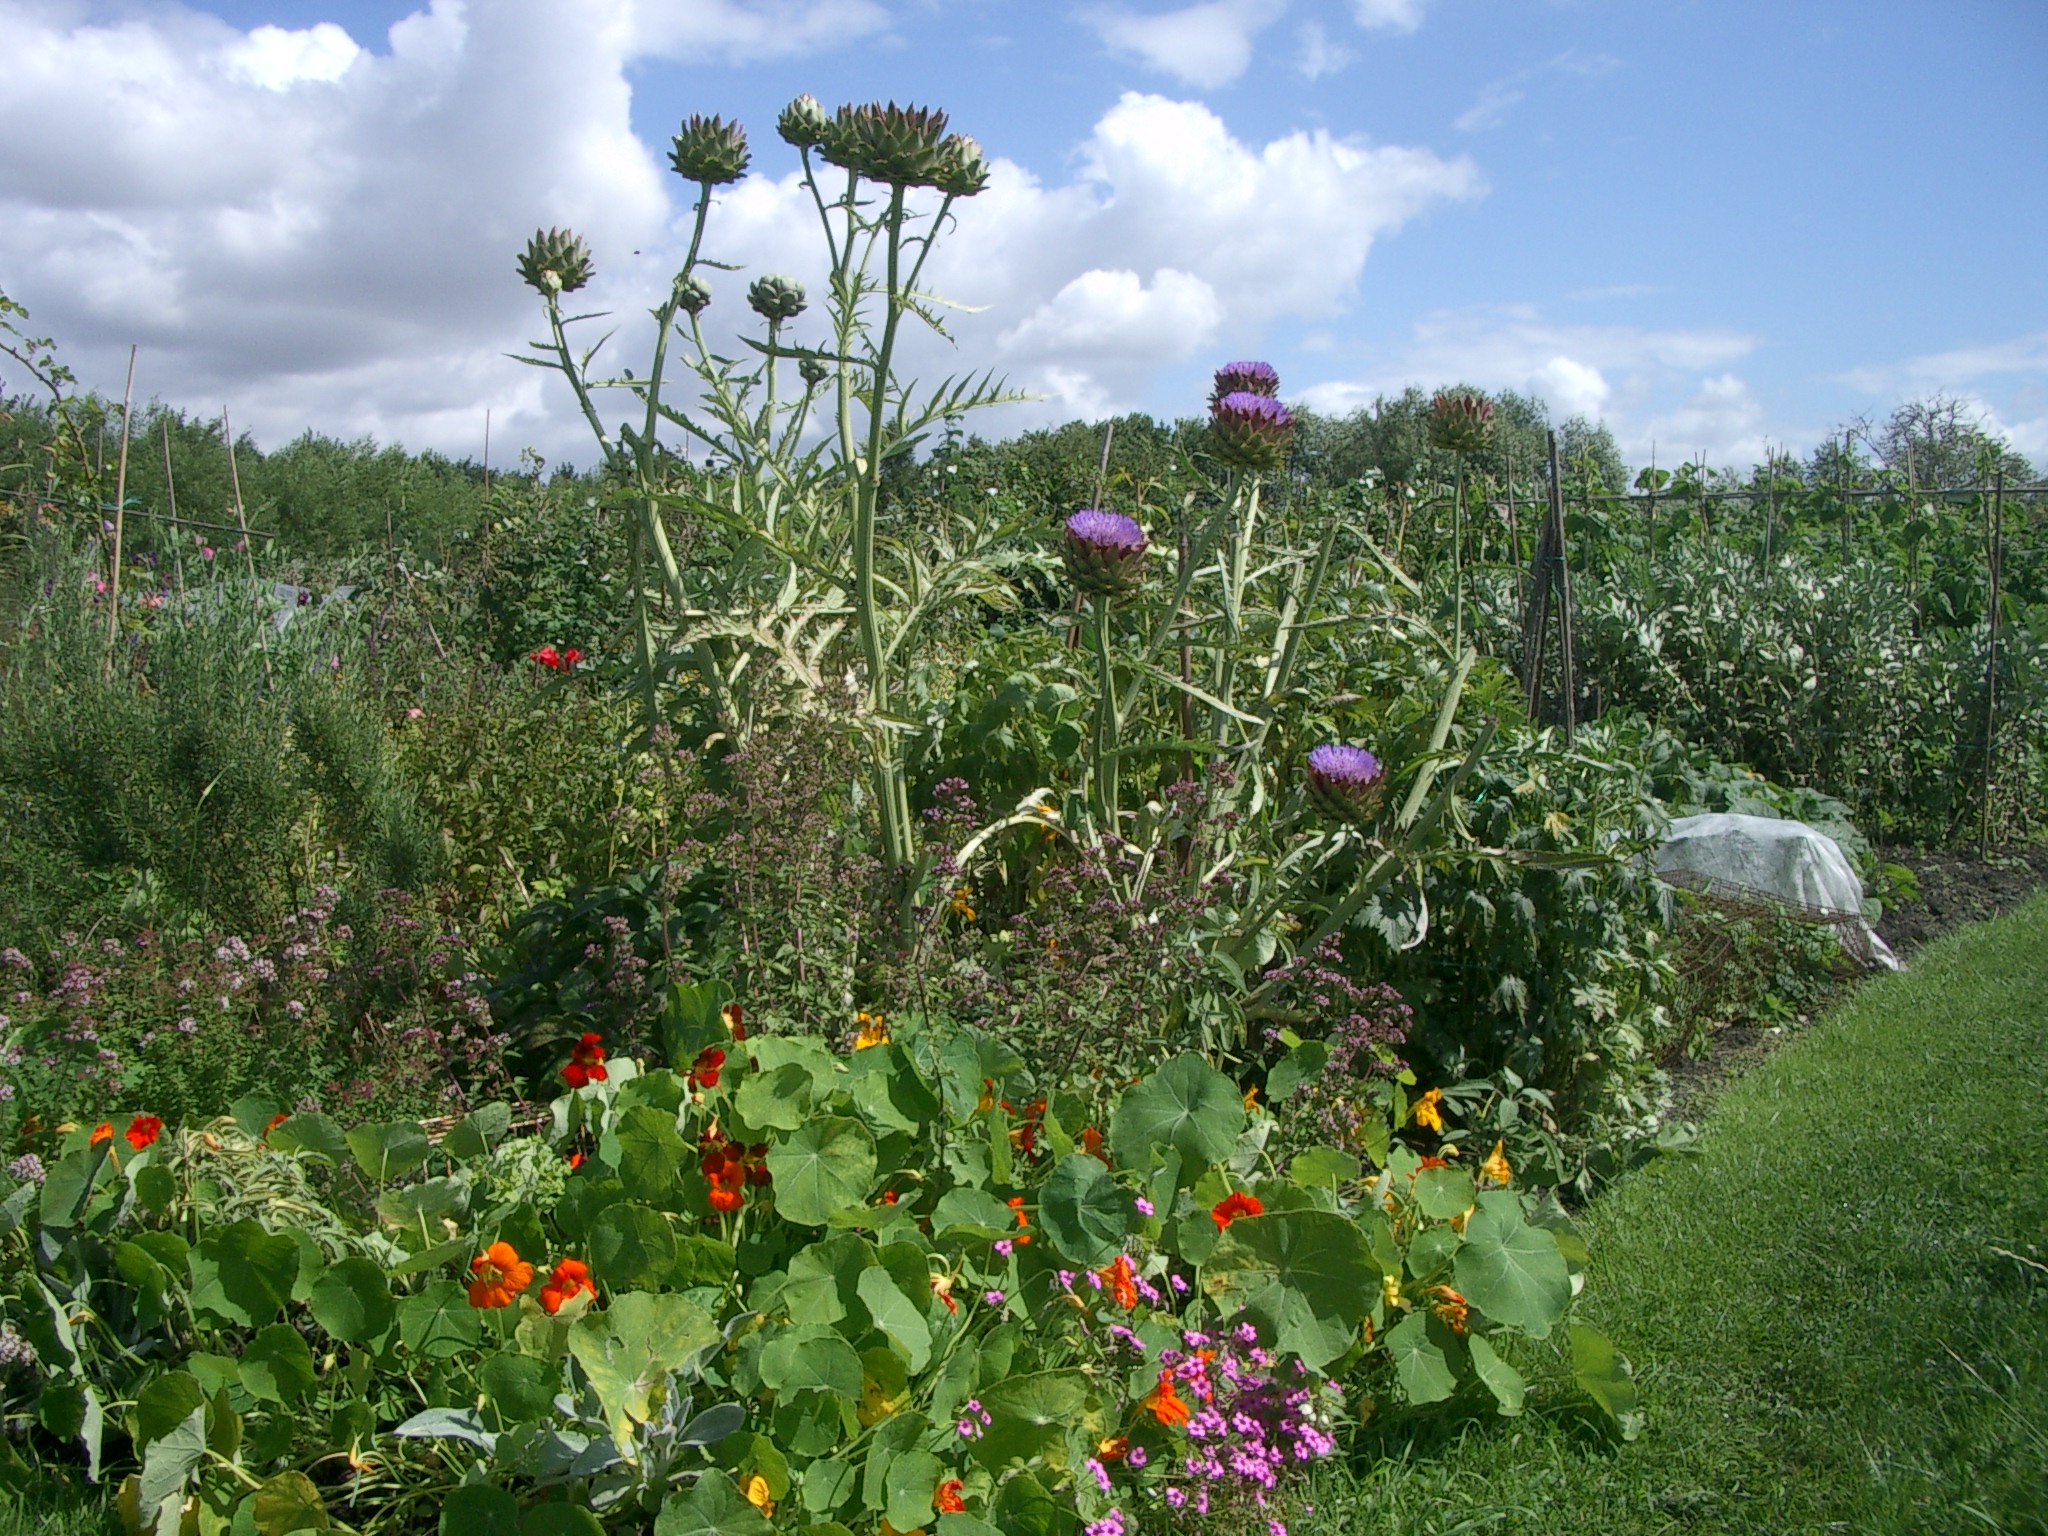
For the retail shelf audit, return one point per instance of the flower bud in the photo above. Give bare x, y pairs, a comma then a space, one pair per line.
1250, 431
1245, 379
812, 371
710, 150
776, 298
1104, 552
555, 261
900, 146
692, 294
962, 171
1460, 422
803, 123
1345, 783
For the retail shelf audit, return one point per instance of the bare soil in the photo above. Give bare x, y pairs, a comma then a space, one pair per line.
1955, 889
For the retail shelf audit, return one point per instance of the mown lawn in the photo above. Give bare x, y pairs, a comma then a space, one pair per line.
1838, 1310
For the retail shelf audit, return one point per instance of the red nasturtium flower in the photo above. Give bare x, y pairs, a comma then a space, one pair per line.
143, 1130
273, 1123
946, 1497
586, 1061
735, 1020
1228, 1209
547, 656
570, 1279
705, 1069
942, 1287
1165, 1403
730, 1167
500, 1276
1091, 1143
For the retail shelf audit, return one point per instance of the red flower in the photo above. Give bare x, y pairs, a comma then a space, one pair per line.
730, 1168
586, 1062
946, 1498
705, 1069
547, 656
1122, 1281
272, 1124
104, 1131
1091, 1143
571, 1278
143, 1130
571, 656
1231, 1207
575, 1161
734, 1021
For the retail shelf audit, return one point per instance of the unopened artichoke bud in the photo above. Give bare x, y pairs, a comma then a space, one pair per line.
710, 150
1245, 379
692, 294
1345, 783
812, 371
556, 261
962, 171
1251, 431
1104, 552
803, 123
776, 298
1460, 423
900, 146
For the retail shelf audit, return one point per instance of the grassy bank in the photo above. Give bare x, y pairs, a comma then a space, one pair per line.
1838, 1310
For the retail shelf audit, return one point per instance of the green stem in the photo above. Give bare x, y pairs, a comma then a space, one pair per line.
1108, 724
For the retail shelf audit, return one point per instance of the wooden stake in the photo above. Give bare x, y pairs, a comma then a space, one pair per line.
248, 554
487, 453
171, 497
120, 522
1561, 584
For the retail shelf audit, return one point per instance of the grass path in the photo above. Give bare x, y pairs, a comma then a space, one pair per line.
1838, 1310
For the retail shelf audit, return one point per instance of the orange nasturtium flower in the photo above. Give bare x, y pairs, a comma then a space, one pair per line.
1122, 1281
1428, 1112
874, 1030
500, 1276
571, 1278
1449, 1306
104, 1131
946, 1498
1091, 1143
1228, 1209
1165, 1403
1496, 1165
143, 1130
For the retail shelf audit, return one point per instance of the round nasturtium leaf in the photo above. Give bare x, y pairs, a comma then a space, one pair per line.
352, 1301
823, 1167
1187, 1105
1084, 1212
633, 1247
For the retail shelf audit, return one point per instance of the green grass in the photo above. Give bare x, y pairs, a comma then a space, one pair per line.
58, 1509
1838, 1310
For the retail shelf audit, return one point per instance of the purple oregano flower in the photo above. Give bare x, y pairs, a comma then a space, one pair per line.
1345, 783
1105, 552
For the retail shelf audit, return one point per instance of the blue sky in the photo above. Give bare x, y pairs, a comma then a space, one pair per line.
1715, 225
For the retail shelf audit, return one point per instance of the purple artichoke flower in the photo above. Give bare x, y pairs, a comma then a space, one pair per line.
1251, 431
1345, 783
1245, 379
1105, 552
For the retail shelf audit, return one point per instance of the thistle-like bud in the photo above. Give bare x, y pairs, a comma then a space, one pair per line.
556, 261
900, 146
1245, 379
776, 298
812, 371
692, 294
1461, 422
1105, 552
1251, 431
710, 150
962, 171
1345, 783
803, 123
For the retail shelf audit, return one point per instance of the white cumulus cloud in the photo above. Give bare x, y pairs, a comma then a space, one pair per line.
1204, 45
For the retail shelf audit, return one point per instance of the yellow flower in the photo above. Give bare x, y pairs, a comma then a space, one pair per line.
758, 1494
1496, 1165
1556, 823
1426, 1113
1251, 1098
1391, 1289
961, 905
874, 1030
